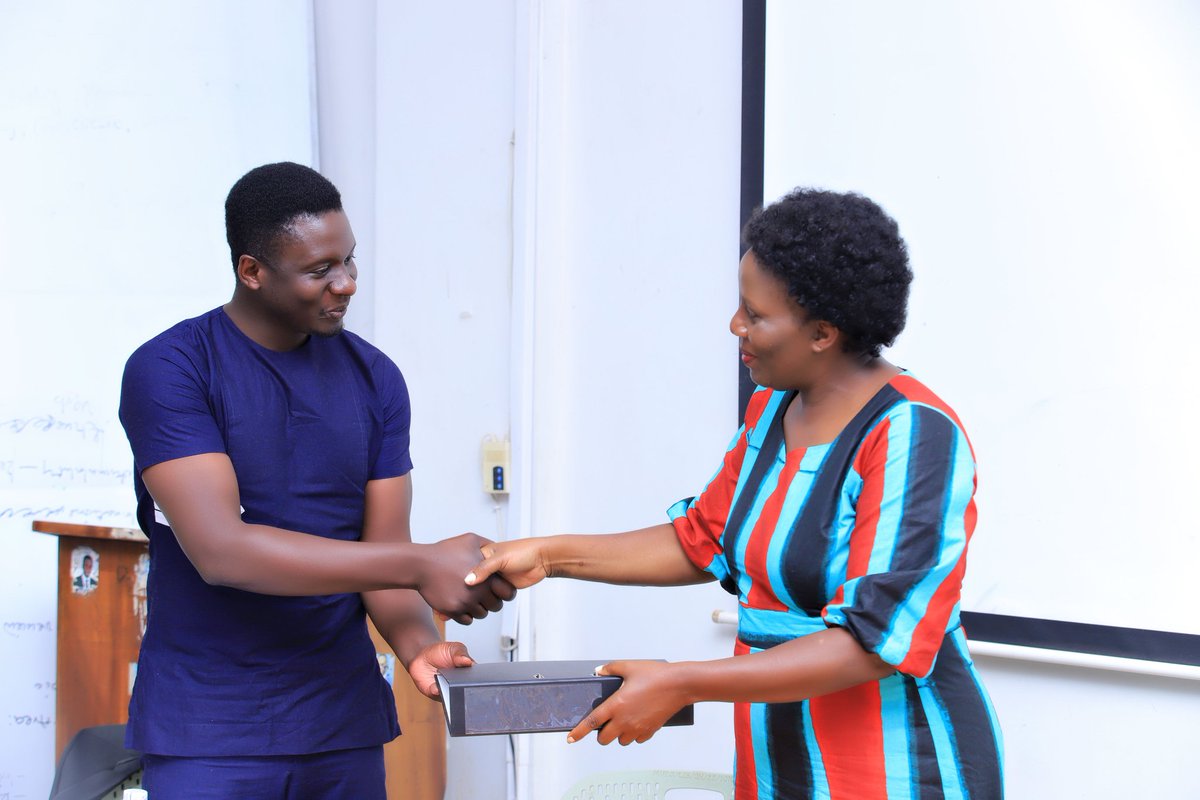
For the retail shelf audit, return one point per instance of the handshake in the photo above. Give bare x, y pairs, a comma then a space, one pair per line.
466, 577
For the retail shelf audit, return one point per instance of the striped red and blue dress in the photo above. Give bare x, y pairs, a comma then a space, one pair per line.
867, 533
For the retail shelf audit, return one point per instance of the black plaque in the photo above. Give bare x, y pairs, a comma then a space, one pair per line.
527, 696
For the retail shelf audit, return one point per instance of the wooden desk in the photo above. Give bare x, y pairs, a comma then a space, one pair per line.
100, 627
101, 617
415, 760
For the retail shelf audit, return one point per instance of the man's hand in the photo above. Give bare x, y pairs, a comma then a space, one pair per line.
647, 698
520, 561
424, 667
444, 589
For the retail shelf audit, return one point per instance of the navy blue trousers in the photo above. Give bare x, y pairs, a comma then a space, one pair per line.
338, 774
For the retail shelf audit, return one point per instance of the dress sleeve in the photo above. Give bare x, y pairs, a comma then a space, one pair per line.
165, 406
914, 516
700, 521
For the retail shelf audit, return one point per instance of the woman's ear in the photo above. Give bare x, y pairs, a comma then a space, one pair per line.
824, 335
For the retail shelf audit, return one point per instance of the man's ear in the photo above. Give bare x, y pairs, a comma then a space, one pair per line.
825, 336
249, 272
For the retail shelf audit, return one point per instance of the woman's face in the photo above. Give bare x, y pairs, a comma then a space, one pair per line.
776, 338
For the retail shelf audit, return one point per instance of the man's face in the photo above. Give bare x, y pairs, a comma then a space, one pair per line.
308, 281
87, 565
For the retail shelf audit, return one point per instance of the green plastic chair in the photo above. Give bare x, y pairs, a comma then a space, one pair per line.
648, 784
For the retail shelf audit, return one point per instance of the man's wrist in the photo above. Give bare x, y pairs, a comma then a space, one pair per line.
414, 564
413, 638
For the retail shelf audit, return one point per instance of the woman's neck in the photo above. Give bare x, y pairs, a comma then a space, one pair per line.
823, 408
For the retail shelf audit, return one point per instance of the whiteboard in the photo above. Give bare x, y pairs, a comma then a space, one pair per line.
122, 126
1041, 160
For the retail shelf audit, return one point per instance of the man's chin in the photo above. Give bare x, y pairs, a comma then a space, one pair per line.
328, 331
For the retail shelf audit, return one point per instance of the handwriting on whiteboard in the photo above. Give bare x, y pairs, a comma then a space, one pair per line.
18, 629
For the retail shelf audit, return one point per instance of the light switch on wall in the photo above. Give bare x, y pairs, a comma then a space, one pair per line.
495, 465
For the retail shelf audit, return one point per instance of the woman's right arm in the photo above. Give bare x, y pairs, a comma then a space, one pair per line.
647, 557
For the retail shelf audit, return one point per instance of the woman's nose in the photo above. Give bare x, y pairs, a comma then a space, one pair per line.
737, 325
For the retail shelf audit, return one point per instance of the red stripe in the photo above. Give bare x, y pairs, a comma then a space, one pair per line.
755, 561
870, 465
849, 729
746, 786
930, 630
755, 407
699, 531
918, 392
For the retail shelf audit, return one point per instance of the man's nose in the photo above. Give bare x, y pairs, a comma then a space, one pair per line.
344, 283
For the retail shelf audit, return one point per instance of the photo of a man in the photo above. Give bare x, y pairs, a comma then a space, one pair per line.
85, 570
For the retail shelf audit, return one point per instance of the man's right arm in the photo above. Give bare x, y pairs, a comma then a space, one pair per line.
199, 496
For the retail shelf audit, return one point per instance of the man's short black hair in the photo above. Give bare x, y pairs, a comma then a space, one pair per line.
264, 203
842, 260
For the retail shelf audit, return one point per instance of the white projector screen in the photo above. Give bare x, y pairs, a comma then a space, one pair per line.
1041, 160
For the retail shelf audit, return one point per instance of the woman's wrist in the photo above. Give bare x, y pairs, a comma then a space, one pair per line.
687, 680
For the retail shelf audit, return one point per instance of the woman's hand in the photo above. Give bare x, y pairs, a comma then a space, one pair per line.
522, 562
438, 656
648, 697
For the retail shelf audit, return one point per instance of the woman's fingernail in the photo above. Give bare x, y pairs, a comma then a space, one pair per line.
570, 740
470, 577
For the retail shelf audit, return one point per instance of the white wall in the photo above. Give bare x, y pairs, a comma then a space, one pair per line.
122, 127
632, 254
543, 157
442, 273
1092, 733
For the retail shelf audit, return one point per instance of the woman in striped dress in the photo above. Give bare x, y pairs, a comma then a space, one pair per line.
840, 517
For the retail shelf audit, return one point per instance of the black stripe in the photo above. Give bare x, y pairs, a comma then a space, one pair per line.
804, 576
791, 763
1080, 637
754, 70
930, 469
922, 754
763, 461
977, 752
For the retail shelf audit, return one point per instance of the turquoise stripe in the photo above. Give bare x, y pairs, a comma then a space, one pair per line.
895, 473
843, 527
942, 731
894, 715
763, 768
754, 452
820, 780
755, 622
743, 536
759, 432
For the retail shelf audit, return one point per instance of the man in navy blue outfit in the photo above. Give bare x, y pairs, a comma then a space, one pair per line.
272, 478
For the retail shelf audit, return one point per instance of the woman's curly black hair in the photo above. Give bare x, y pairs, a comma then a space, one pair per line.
842, 260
